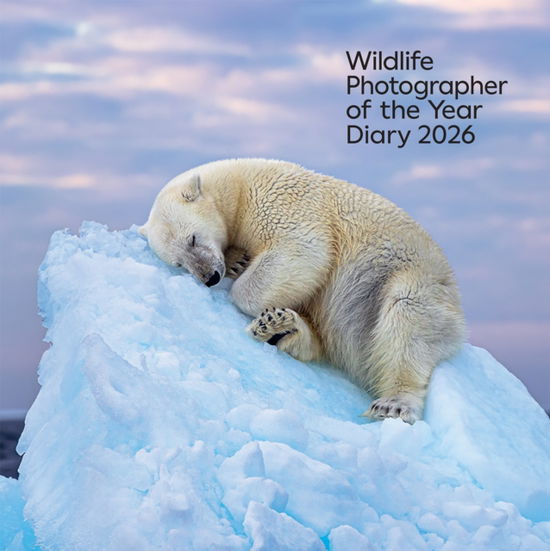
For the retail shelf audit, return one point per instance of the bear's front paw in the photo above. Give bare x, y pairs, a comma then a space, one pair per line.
273, 324
404, 407
236, 262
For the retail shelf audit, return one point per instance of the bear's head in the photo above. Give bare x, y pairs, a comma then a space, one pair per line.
186, 230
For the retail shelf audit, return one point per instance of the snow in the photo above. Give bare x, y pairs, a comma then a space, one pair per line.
161, 425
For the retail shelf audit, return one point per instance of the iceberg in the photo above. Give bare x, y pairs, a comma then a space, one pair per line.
161, 425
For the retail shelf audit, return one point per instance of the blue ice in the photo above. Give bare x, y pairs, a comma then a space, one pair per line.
161, 425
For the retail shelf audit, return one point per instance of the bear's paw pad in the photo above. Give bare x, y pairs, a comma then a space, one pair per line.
273, 324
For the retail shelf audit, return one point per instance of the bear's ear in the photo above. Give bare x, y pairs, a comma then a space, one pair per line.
143, 230
191, 190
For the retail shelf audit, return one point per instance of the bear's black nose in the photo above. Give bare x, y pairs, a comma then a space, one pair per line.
215, 278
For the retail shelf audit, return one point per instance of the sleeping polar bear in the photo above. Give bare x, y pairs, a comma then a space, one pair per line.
328, 269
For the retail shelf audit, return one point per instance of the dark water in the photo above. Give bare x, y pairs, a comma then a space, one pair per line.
10, 430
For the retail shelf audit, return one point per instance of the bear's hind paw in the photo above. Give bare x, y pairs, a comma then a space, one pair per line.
394, 406
273, 324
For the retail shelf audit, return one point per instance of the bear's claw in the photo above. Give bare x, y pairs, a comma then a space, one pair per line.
273, 324
394, 406
236, 262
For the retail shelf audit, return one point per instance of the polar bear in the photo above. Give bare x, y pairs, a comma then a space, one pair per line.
329, 270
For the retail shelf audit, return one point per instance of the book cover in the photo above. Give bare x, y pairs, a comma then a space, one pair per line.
153, 419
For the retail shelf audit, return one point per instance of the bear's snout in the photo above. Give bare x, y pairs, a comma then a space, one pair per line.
213, 279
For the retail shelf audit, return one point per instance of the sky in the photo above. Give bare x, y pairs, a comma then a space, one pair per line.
101, 103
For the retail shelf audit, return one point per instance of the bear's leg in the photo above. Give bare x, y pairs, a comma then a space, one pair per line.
287, 330
286, 278
419, 325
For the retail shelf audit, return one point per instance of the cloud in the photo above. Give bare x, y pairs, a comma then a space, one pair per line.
526, 106
420, 172
112, 76
475, 6
181, 85
67, 181
257, 111
320, 63
451, 169
19, 11
26, 170
64, 181
478, 14
152, 39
